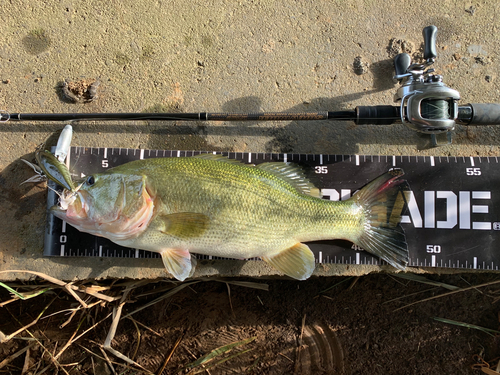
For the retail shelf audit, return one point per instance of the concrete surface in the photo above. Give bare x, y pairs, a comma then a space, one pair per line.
205, 55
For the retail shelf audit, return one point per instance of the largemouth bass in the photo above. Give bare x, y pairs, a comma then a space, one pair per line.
216, 206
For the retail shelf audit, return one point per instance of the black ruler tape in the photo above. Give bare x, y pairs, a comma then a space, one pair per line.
452, 217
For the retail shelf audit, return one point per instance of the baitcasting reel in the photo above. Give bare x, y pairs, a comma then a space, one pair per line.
431, 106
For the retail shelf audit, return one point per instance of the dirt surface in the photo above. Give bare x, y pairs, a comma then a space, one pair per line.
221, 56
336, 325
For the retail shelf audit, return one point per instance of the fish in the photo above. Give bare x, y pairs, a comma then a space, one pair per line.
212, 205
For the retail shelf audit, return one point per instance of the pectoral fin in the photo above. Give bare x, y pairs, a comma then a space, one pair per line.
185, 224
178, 262
297, 261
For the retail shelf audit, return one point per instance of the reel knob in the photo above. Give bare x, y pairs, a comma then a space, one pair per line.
429, 34
402, 62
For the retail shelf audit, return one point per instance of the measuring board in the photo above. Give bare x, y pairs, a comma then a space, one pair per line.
452, 215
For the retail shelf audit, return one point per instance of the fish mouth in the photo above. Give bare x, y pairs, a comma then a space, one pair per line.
72, 208
76, 210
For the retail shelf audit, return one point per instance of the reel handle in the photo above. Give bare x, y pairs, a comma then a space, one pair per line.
429, 34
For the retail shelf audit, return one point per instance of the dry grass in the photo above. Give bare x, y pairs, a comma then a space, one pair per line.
90, 301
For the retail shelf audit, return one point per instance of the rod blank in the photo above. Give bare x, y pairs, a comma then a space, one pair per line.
202, 116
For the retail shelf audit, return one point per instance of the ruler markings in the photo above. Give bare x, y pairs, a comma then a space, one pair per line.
478, 197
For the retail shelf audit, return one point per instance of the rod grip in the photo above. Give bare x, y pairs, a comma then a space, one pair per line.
377, 115
485, 114
429, 34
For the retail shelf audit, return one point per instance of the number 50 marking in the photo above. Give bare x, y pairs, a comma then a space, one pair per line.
434, 249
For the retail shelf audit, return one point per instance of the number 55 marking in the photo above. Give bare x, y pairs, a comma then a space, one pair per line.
473, 171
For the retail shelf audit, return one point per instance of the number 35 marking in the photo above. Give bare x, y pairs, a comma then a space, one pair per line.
321, 169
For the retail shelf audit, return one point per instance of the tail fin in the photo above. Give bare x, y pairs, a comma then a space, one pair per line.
382, 203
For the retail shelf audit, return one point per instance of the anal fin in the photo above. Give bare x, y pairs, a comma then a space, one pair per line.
178, 262
297, 261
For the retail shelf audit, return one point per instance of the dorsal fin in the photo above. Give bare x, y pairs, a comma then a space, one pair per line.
293, 174
221, 158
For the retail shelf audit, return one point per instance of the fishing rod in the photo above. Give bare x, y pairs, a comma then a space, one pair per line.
426, 105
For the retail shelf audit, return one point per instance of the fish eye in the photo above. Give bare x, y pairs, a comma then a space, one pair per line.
90, 180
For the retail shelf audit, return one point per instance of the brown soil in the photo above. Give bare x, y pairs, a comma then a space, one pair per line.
83, 90
352, 328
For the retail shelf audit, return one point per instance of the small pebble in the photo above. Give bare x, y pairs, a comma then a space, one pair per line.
67, 94
92, 90
471, 10
360, 66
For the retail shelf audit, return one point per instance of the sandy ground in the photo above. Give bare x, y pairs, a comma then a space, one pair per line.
221, 56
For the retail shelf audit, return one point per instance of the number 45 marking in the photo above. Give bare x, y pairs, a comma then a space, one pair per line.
473, 171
